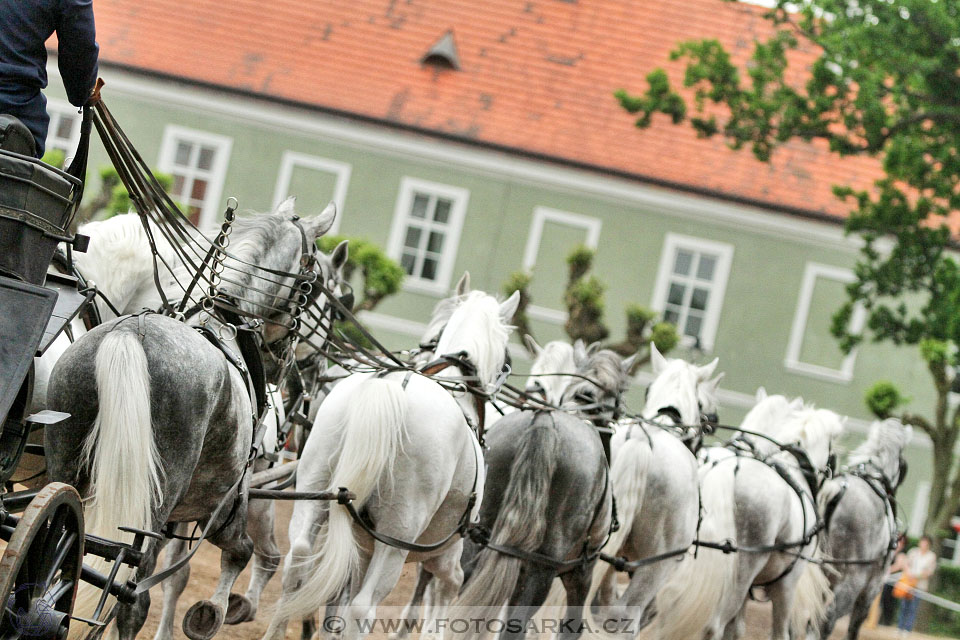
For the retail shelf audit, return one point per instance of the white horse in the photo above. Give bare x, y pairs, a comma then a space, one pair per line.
747, 501
860, 523
654, 476
402, 444
554, 358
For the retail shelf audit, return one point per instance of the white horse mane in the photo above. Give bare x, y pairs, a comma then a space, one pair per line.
814, 430
769, 414
675, 386
555, 357
440, 316
883, 446
477, 328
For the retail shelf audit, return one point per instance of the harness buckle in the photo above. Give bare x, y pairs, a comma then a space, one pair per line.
344, 496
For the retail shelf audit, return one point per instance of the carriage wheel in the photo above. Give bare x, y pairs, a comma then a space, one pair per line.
40, 569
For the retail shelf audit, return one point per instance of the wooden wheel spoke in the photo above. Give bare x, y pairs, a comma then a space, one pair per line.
58, 591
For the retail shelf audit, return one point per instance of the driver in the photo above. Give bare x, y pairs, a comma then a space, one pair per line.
25, 27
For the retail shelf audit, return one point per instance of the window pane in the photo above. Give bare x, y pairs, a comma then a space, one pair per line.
407, 262
681, 265
199, 190
65, 127
178, 185
205, 161
194, 214
442, 212
412, 241
429, 270
693, 326
419, 209
436, 242
675, 295
182, 156
670, 315
698, 301
706, 267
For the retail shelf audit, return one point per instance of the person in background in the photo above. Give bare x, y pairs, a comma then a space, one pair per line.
920, 564
25, 27
888, 604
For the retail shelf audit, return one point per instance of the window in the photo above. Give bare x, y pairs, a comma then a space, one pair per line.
426, 232
315, 181
812, 350
553, 234
198, 163
63, 134
690, 284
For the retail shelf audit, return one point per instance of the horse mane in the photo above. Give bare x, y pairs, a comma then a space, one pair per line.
676, 386
477, 328
605, 369
767, 415
442, 312
883, 446
812, 428
556, 357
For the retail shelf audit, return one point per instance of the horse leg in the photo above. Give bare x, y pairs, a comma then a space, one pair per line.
380, 578
738, 626
781, 595
412, 610
130, 618
261, 516
861, 609
204, 619
447, 579
577, 584
527, 598
173, 586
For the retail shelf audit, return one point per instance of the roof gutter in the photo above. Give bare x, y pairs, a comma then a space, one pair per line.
799, 212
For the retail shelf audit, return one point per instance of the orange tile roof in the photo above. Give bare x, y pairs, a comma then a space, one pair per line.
537, 77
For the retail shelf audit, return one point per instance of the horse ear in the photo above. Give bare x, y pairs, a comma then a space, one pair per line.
509, 306
286, 207
532, 345
321, 223
707, 370
714, 384
463, 286
796, 404
593, 348
627, 363
579, 351
657, 361
340, 254
761, 394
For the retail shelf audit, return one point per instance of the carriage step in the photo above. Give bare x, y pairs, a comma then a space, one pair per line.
46, 417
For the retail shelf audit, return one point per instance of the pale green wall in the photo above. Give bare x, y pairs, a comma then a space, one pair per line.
761, 294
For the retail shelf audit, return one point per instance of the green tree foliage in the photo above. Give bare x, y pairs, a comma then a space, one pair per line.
584, 300
380, 276
112, 198
883, 398
882, 82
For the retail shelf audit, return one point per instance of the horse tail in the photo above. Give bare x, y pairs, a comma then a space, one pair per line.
119, 452
702, 580
810, 601
371, 436
628, 478
521, 524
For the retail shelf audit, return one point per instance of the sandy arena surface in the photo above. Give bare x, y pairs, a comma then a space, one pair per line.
205, 569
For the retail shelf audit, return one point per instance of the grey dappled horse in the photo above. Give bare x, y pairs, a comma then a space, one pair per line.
548, 494
654, 476
161, 424
860, 523
749, 503
402, 443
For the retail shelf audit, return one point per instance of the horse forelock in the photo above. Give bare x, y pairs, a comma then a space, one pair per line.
605, 369
676, 386
477, 328
883, 447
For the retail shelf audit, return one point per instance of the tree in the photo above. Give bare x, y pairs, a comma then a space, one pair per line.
583, 298
882, 82
380, 276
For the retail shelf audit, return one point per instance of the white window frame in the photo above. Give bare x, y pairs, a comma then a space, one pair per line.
218, 172
341, 170
56, 109
459, 198
724, 253
542, 215
792, 362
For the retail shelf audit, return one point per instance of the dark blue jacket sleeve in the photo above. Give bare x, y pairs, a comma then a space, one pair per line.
78, 50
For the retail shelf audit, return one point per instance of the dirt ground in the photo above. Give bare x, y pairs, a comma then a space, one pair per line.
205, 568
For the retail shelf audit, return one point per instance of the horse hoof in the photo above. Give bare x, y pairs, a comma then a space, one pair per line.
239, 609
202, 620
